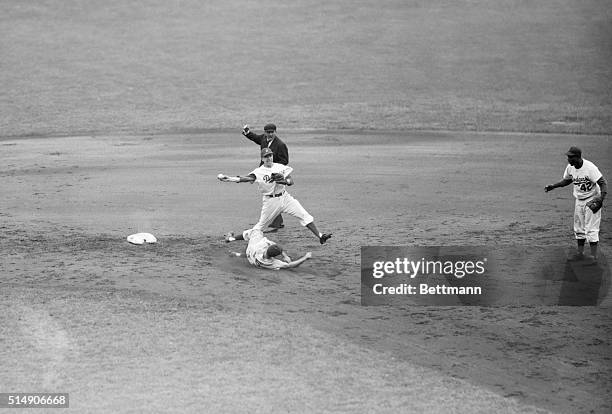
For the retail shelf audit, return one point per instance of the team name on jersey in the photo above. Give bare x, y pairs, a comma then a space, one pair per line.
584, 183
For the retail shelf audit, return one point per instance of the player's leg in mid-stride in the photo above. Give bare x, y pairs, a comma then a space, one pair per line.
270, 208
287, 204
293, 207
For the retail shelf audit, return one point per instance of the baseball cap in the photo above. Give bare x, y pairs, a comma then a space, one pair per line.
265, 152
270, 127
574, 152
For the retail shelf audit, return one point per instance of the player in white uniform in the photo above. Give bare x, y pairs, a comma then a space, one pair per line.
264, 253
589, 183
272, 179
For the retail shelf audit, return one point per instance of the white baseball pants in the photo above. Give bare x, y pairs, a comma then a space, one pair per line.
286, 204
586, 224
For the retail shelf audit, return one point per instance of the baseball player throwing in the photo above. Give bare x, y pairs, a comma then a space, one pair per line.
590, 189
264, 253
272, 179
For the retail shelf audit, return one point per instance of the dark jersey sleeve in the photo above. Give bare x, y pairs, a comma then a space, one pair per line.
254, 137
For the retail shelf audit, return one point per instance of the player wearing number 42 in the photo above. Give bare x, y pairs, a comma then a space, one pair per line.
272, 180
590, 189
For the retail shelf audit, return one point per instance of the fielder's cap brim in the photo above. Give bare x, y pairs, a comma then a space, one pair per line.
266, 151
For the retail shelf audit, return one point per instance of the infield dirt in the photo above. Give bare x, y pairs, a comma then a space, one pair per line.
85, 311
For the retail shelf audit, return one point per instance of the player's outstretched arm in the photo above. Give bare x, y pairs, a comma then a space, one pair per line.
297, 262
562, 183
237, 179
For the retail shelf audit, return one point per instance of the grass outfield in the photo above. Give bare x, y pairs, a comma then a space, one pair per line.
76, 67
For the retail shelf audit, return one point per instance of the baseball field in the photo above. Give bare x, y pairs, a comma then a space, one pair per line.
408, 123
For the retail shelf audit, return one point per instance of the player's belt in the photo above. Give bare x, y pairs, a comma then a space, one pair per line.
275, 195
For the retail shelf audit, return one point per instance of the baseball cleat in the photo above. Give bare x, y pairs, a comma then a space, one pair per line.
228, 235
324, 237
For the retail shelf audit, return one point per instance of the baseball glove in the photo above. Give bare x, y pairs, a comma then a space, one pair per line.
277, 177
595, 204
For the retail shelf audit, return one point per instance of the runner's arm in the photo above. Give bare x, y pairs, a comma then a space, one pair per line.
297, 262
